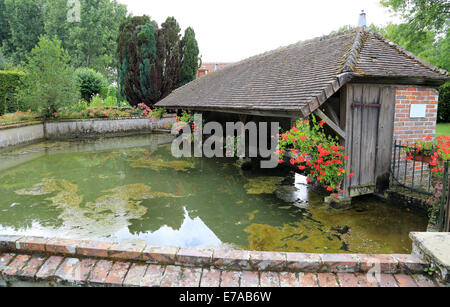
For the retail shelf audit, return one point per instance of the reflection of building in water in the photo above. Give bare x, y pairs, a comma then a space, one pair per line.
193, 232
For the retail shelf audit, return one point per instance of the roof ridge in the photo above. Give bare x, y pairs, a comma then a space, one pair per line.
353, 54
405, 52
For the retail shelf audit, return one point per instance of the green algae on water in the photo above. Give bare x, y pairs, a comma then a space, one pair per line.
89, 189
263, 185
159, 164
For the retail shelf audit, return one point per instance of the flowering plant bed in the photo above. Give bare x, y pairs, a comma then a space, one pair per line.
316, 154
430, 152
18, 117
95, 112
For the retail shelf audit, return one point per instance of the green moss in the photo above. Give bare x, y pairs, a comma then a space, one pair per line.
263, 185
158, 164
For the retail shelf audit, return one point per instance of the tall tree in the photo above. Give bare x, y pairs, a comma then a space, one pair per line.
420, 42
154, 61
26, 24
127, 48
190, 59
170, 30
423, 14
50, 81
92, 40
4, 26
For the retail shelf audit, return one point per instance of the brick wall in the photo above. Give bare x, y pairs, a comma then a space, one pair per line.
408, 129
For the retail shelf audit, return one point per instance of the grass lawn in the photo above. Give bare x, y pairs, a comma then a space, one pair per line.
443, 129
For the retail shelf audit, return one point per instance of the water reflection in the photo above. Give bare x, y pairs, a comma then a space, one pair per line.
131, 189
193, 232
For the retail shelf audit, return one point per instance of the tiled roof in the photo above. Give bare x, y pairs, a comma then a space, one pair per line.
300, 77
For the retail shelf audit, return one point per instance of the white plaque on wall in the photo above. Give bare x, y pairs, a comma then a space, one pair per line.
418, 110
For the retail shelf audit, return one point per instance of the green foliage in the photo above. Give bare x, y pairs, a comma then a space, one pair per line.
25, 23
444, 103
4, 27
190, 60
50, 82
3, 61
159, 113
147, 47
90, 83
170, 30
320, 155
90, 42
430, 271
421, 43
98, 101
10, 83
18, 116
423, 14
108, 91
154, 61
429, 46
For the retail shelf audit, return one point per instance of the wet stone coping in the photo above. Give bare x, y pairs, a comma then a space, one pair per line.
36, 270
434, 248
20, 124
214, 258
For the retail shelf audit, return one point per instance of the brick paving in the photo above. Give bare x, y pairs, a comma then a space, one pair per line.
100, 272
88, 263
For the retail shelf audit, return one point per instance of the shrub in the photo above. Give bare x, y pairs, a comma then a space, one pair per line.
3, 61
10, 83
90, 83
98, 101
108, 91
50, 82
444, 103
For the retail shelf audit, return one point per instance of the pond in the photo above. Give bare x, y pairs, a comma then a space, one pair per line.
132, 189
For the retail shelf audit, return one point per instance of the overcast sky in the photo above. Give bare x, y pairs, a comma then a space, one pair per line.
232, 30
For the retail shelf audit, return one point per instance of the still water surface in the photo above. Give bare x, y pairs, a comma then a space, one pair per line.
132, 189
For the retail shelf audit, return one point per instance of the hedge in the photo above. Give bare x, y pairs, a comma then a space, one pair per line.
444, 103
10, 82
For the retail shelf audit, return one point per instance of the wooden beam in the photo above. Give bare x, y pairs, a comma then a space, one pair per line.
268, 113
331, 112
330, 123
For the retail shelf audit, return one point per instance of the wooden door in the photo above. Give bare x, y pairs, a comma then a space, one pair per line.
369, 131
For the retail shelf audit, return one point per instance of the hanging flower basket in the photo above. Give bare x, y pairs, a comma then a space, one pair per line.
421, 157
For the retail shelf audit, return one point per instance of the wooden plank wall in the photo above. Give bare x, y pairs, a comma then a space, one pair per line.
369, 132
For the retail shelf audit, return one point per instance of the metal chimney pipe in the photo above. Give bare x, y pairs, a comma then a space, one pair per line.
362, 19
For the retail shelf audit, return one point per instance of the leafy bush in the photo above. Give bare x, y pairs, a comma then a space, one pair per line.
98, 101
10, 82
444, 103
90, 83
108, 91
3, 61
50, 82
